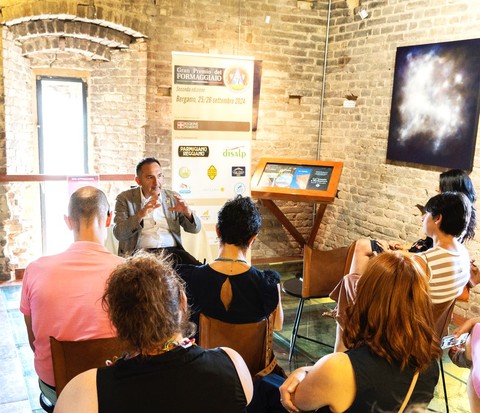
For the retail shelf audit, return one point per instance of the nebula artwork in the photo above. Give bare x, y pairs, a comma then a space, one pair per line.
435, 104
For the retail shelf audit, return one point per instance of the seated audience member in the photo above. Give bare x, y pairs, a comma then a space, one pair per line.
149, 217
446, 265
61, 293
390, 335
468, 356
230, 289
166, 371
453, 180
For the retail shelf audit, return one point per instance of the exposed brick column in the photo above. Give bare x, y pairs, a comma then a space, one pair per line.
3, 146
4, 212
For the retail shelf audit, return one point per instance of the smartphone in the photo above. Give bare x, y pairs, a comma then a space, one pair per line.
451, 341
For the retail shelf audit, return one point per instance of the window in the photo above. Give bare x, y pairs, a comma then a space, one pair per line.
62, 147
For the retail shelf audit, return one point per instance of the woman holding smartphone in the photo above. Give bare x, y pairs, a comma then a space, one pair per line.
468, 356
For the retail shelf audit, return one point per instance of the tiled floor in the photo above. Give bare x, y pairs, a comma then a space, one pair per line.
18, 381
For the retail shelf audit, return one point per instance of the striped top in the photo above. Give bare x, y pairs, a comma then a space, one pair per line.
449, 272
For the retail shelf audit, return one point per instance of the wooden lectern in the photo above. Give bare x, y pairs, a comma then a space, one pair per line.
296, 180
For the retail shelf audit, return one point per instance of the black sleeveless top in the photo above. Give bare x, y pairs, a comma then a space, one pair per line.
182, 380
254, 293
382, 387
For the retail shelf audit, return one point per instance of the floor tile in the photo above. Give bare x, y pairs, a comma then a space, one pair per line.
16, 407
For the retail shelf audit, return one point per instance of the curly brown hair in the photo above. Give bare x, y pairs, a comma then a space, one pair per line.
393, 314
238, 221
145, 300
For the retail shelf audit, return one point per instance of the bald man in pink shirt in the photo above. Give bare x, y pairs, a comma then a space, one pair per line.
61, 294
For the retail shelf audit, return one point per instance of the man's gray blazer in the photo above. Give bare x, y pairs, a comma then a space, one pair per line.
127, 229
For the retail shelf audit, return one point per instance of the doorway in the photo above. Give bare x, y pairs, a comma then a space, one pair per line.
63, 150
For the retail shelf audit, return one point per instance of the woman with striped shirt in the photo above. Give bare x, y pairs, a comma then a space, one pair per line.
446, 265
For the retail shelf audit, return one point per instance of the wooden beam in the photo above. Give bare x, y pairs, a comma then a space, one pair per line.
46, 178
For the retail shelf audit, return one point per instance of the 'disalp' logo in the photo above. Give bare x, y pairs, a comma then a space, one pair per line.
237, 152
236, 78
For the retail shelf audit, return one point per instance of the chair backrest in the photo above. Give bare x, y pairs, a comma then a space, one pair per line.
71, 358
322, 270
442, 316
249, 340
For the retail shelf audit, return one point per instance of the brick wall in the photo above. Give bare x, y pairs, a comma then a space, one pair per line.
4, 262
291, 48
117, 100
21, 222
376, 197
116, 108
20, 116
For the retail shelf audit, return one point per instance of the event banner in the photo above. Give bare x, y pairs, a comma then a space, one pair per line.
212, 169
212, 99
212, 96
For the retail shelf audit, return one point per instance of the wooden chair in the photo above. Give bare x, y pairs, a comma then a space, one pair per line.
253, 341
71, 358
322, 270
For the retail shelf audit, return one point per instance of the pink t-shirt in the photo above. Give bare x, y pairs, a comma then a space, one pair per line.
475, 340
62, 294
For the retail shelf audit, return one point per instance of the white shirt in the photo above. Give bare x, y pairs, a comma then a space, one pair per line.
155, 232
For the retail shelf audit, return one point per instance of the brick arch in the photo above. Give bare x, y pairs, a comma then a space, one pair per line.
59, 34
113, 17
67, 27
92, 50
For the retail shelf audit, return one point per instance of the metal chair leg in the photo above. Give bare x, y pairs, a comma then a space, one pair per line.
46, 404
444, 385
296, 324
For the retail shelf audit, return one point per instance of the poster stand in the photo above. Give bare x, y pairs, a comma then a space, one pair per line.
296, 180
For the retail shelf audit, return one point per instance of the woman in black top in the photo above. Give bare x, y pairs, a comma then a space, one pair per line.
230, 289
166, 371
390, 336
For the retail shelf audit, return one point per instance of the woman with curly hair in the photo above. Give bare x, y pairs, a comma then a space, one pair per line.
229, 288
390, 335
165, 371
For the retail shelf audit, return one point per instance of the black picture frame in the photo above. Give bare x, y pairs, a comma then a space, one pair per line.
435, 104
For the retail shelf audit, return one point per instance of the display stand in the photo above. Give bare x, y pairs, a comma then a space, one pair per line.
297, 180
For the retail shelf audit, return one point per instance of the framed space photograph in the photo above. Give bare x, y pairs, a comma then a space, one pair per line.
435, 104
